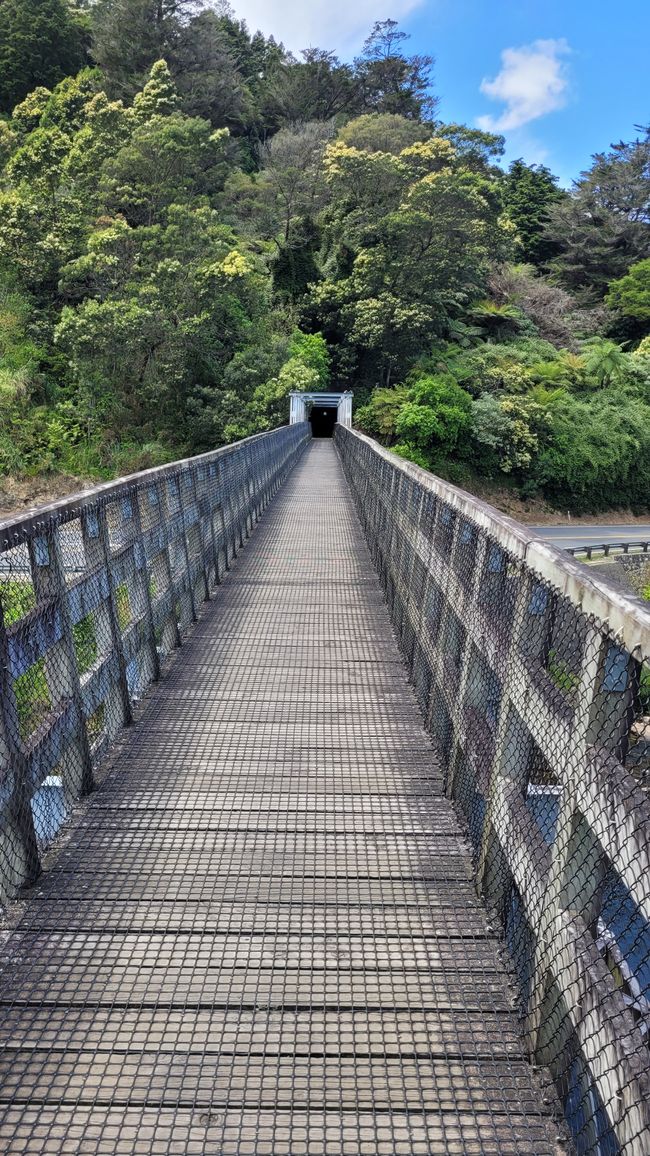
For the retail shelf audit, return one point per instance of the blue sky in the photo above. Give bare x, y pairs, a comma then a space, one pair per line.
561, 78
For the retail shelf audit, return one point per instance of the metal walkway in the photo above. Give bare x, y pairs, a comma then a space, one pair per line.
261, 935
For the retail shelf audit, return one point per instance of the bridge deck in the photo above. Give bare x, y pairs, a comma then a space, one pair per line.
261, 935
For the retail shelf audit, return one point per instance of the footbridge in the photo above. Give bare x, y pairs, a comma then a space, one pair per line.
323, 820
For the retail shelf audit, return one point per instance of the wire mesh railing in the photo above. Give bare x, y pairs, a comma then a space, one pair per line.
94, 591
534, 677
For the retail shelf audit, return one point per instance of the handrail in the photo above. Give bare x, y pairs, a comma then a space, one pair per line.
534, 676
95, 590
625, 614
71, 504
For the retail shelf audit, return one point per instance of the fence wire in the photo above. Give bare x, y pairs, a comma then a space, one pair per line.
94, 592
534, 679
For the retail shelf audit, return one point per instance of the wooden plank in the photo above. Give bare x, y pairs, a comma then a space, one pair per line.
124, 1131
364, 1032
210, 916
194, 1078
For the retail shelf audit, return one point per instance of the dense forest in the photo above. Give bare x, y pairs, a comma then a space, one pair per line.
194, 221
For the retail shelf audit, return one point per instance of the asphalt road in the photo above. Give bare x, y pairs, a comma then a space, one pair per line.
566, 535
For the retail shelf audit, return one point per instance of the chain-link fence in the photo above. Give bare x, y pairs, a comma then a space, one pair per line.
535, 681
94, 592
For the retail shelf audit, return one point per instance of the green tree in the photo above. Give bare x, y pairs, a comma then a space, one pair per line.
210, 83
159, 312
27, 115
41, 41
391, 81
384, 132
419, 231
476, 149
311, 350
159, 97
496, 321
167, 160
450, 405
604, 226
630, 295
128, 36
529, 191
509, 432
318, 87
281, 203
598, 453
291, 161
604, 361
379, 416
107, 127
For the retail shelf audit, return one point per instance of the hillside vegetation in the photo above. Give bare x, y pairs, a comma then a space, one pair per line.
193, 222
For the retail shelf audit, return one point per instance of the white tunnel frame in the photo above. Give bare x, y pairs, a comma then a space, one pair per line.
342, 401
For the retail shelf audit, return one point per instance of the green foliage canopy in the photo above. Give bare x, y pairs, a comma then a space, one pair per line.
41, 42
202, 222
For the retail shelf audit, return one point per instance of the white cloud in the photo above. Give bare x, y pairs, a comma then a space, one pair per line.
340, 25
532, 82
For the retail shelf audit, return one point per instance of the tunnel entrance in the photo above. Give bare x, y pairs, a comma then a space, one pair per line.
323, 420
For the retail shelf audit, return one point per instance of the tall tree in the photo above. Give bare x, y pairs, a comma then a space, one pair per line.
41, 41
417, 231
209, 82
128, 36
604, 227
391, 81
630, 295
529, 191
316, 88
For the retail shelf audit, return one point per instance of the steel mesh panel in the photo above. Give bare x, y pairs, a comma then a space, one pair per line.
260, 932
535, 680
94, 593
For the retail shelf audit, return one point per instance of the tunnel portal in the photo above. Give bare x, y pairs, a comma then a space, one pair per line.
323, 419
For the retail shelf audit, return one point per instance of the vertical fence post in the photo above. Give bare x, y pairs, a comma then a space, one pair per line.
142, 567
94, 531
185, 543
513, 744
211, 485
60, 660
177, 543
163, 568
19, 856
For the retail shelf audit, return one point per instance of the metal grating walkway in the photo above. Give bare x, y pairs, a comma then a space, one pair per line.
261, 935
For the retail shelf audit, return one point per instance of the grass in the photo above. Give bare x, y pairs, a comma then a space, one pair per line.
85, 643
561, 674
18, 598
33, 699
123, 605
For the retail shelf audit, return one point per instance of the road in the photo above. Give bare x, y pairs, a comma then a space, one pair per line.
566, 536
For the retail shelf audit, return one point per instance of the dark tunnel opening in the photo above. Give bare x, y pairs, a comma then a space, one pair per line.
323, 420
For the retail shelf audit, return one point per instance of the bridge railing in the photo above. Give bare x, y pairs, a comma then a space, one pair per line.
94, 591
533, 675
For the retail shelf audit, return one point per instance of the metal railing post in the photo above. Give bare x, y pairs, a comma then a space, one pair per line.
60, 660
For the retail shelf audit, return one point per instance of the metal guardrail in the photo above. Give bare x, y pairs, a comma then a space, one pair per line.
533, 675
607, 548
94, 591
